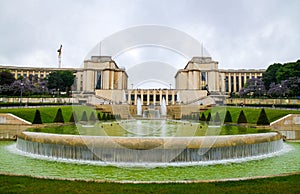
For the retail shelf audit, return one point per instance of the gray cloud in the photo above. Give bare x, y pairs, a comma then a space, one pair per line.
238, 34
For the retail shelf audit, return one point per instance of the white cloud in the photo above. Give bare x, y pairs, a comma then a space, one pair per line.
238, 34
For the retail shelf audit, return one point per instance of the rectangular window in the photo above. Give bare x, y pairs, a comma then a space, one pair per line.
226, 84
243, 81
203, 80
145, 98
157, 98
98, 80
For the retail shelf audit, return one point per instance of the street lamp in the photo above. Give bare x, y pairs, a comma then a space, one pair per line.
22, 84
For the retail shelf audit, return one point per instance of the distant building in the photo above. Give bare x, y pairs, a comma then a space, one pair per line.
104, 80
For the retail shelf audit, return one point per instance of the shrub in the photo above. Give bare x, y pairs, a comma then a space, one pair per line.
84, 117
92, 117
203, 118
73, 117
242, 118
37, 118
59, 117
228, 118
263, 119
208, 117
104, 117
108, 116
217, 118
99, 116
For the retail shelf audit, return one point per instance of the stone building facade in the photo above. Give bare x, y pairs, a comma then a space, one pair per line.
102, 78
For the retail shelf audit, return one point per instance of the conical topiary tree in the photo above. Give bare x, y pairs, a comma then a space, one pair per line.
242, 118
108, 116
92, 118
104, 117
84, 117
208, 117
99, 116
59, 117
217, 119
37, 118
263, 119
203, 118
73, 117
228, 118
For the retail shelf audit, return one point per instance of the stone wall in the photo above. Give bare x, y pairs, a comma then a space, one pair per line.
289, 126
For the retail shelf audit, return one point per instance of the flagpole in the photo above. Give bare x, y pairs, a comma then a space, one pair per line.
59, 56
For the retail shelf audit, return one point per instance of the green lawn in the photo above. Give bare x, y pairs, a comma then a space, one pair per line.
48, 113
22, 184
251, 113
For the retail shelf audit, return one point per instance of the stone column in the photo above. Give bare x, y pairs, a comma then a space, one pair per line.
229, 82
234, 82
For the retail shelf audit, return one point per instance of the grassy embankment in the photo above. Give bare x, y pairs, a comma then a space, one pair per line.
21, 184
48, 113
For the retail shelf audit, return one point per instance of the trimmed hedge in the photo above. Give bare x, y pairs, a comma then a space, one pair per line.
92, 118
203, 118
217, 118
228, 118
84, 117
208, 117
59, 118
73, 117
263, 119
242, 118
37, 118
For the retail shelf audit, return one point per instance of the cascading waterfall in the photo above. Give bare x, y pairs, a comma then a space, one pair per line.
149, 149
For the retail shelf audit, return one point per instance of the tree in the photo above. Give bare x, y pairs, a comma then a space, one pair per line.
242, 118
6, 78
99, 116
228, 118
288, 70
202, 118
37, 118
269, 76
104, 117
61, 80
208, 117
73, 117
92, 118
59, 117
263, 119
84, 117
217, 119
254, 86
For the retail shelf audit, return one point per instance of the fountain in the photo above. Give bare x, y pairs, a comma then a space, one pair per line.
141, 149
139, 107
163, 108
151, 113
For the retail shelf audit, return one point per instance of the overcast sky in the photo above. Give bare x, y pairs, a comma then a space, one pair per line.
238, 34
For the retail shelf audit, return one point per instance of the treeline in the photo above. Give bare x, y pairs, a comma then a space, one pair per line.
55, 83
279, 80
